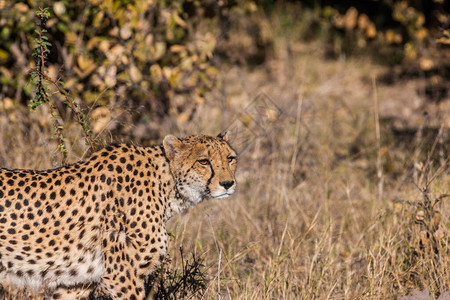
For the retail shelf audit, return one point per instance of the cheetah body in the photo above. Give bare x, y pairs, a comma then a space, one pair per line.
102, 221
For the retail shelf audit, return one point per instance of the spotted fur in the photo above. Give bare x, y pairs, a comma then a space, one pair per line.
101, 222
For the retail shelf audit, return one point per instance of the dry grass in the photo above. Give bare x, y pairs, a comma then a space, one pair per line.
326, 208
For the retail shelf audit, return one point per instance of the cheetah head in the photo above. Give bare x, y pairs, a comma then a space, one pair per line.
203, 166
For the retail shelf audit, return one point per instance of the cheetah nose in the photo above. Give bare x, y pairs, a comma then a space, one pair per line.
227, 184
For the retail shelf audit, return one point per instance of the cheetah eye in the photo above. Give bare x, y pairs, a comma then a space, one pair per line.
203, 162
231, 158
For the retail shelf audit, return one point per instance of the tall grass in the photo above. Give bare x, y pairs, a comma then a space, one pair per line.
309, 220
331, 205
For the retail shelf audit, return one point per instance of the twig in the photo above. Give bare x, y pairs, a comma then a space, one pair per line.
378, 137
40, 54
80, 118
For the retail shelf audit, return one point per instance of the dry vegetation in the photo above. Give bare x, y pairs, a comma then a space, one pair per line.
331, 204
325, 209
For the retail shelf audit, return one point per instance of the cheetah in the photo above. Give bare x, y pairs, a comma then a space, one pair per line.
101, 222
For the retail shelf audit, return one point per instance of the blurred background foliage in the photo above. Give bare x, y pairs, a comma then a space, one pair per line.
128, 62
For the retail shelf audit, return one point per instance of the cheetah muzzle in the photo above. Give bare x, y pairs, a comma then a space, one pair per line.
101, 223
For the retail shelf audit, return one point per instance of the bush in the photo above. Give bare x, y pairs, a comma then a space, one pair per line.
133, 54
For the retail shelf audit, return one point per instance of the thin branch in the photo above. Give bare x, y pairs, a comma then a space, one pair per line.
73, 106
42, 96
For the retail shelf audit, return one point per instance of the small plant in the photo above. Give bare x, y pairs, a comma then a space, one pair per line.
40, 78
167, 283
428, 217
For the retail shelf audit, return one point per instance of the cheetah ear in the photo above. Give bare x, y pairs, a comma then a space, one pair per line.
224, 135
172, 145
